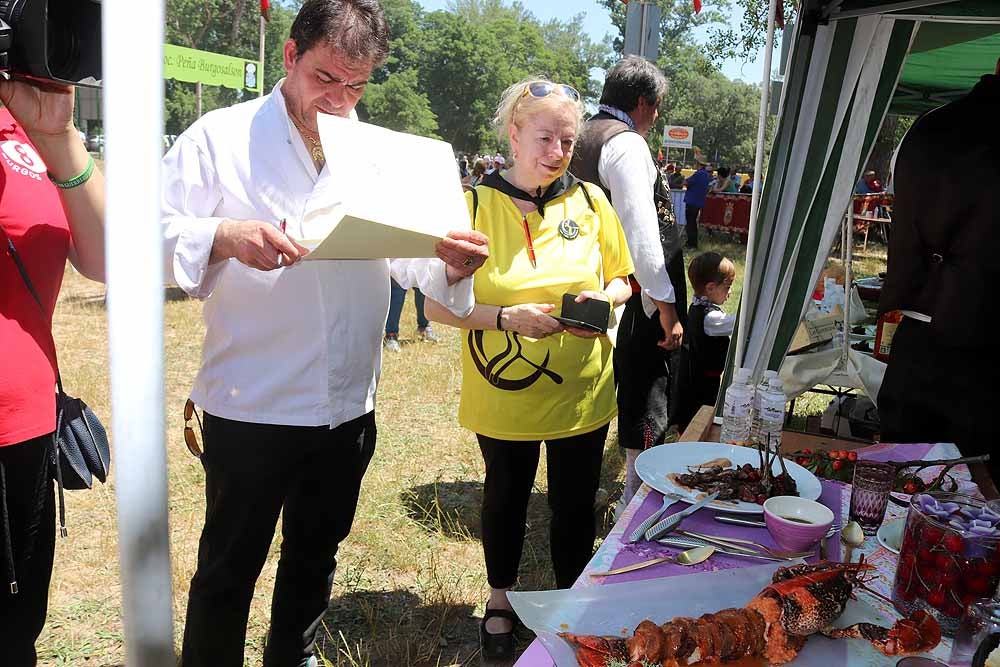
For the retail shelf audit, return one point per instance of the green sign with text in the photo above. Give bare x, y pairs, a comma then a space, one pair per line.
213, 69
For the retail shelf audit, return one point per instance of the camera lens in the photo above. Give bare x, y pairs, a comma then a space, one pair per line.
64, 46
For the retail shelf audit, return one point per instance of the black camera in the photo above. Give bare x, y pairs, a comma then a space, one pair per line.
52, 40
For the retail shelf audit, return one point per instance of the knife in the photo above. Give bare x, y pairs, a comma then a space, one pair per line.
739, 521
671, 522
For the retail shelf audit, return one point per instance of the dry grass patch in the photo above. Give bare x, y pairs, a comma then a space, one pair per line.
410, 583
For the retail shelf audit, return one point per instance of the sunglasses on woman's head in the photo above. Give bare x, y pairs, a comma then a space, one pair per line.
545, 88
190, 439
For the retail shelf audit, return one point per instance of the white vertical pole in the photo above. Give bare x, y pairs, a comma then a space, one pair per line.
848, 253
197, 97
133, 113
260, 51
758, 173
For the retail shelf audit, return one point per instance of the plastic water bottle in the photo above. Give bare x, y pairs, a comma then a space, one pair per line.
755, 414
736, 409
772, 413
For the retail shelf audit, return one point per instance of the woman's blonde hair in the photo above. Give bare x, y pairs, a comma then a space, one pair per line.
517, 103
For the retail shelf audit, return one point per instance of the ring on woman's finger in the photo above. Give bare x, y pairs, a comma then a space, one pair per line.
468, 261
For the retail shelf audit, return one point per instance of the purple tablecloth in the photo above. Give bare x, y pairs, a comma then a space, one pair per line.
616, 552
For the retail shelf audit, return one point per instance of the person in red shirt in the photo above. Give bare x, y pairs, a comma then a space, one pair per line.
51, 209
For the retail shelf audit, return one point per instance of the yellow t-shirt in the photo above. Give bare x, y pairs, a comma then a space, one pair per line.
518, 388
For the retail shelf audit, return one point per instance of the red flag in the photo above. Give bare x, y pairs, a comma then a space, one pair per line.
265, 9
697, 6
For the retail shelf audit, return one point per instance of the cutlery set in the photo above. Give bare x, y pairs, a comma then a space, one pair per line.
699, 546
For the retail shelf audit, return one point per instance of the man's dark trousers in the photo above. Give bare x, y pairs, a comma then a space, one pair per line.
312, 476
691, 215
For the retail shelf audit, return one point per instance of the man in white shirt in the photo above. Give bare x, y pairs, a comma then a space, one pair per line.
613, 153
292, 350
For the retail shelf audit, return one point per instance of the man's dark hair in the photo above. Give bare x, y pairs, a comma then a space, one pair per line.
631, 79
724, 172
356, 28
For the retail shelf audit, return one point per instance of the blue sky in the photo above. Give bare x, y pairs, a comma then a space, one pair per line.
597, 23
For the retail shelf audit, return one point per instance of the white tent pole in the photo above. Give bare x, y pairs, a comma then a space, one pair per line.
758, 169
848, 252
133, 113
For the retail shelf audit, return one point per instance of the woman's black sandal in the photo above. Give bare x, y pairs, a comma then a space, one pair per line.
497, 647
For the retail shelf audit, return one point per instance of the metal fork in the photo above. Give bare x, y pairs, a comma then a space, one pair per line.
668, 500
735, 541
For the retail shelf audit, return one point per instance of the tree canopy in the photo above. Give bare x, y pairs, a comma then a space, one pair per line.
447, 69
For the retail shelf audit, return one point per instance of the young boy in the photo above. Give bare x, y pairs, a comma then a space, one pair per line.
708, 328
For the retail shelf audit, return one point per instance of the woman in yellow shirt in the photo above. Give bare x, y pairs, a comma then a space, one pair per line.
527, 378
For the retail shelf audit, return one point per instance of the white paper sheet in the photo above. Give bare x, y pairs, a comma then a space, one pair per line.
383, 194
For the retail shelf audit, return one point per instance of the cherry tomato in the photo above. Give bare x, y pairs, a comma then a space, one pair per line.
910, 487
838, 464
807, 452
853, 456
761, 498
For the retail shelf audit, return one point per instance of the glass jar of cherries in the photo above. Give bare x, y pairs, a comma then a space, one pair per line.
950, 555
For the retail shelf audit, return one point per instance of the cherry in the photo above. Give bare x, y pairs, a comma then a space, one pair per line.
807, 452
978, 585
968, 598
838, 464
953, 542
952, 609
987, 568
928, 574
943, 561
852, 456
761, 499
932, 534
925, 555
936, 598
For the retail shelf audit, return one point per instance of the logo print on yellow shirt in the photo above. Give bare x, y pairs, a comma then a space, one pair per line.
493, 368
569, 230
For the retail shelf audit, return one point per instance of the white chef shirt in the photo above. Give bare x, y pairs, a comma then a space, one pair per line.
623, 157
298, 346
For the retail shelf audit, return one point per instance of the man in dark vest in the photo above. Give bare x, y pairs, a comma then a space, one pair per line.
944, 264
611, 151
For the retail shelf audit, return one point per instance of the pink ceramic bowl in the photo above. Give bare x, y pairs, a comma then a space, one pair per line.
795, 523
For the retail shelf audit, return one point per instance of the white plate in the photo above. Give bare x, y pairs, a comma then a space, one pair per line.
616, 609
890, 535
654, 464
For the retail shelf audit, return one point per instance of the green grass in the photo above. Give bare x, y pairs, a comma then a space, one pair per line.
410, 584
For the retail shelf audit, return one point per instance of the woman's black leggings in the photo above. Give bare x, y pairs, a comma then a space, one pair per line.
574, 472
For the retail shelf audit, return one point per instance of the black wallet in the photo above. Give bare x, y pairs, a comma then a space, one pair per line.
591, 314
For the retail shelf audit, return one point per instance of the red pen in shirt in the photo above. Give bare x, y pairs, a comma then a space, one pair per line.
527, 239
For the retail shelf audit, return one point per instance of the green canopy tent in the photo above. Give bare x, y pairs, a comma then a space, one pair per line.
852, 62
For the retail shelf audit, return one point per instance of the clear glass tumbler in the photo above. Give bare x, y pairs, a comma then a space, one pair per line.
870, 494
950, 556
978, 633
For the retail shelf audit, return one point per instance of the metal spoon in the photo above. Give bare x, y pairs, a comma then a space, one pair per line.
851, 537
689, 557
